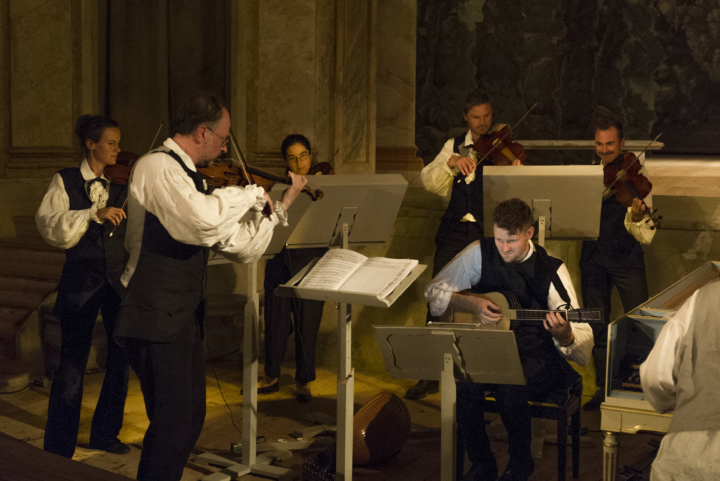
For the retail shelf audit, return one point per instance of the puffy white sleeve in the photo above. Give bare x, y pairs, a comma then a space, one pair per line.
581, 348
58, 225
658, 374
229, 219
460, 274
437, 176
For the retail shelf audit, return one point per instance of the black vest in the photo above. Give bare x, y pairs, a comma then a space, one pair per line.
542, 364
167, 289
97, 258
466, 198
616, 245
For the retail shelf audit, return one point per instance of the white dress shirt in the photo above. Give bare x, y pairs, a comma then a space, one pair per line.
160, 186
57, 224
686, 455
465, 270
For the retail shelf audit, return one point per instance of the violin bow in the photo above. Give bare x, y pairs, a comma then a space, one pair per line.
243, 162
508, 133
608, 189
151, 147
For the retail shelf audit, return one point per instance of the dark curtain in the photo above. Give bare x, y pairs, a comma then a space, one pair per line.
157, 54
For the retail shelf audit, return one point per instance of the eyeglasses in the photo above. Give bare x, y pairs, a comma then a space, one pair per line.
303, 157
225, 140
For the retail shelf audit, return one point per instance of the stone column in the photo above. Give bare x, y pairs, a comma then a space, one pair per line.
53, 80
306, 67
397, 25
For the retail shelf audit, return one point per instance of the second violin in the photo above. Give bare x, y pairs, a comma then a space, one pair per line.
500, 147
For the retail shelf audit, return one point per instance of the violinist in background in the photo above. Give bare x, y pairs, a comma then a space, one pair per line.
78, 213
280, 312
456, 171
173, 222
616, 258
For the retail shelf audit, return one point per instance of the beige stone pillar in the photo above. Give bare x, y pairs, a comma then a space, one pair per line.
306, 67
53, 80
397, 25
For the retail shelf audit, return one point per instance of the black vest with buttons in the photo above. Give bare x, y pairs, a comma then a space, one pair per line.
615, 244
466, 198
167, 289
97, 258
530, 283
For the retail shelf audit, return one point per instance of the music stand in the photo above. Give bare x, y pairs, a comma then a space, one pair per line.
363, 210
566, 199
450, 354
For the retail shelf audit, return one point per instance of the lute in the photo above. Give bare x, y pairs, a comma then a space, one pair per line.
513, 314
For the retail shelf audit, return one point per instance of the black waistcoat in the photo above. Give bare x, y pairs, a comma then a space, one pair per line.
466, 198
97, 258
167, 289
542, 364
616, 245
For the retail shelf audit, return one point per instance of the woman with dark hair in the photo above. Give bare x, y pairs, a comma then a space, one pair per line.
283, 314
78, 213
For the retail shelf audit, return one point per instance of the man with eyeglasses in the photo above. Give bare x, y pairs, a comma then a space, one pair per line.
172, 226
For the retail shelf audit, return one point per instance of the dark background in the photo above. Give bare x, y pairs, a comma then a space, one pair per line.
654, 63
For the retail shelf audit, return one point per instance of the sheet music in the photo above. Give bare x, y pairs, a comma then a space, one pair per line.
333, 269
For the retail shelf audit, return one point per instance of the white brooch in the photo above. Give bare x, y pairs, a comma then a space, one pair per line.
98, 195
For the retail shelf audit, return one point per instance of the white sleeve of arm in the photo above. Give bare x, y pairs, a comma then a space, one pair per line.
641, 231
460, 274
437, 177
57, 224
581, 348
657, 373
194, 218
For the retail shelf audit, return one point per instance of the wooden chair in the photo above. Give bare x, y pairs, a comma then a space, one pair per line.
563, 406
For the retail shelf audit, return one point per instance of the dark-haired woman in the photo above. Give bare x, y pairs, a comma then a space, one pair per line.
79, 211
280, 312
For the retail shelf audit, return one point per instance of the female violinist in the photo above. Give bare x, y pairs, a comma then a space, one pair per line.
280, 312
78, 213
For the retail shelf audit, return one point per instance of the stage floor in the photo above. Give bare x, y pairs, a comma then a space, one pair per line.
23, 416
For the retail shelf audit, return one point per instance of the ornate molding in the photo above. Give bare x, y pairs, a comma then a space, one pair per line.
397, 159
41, 157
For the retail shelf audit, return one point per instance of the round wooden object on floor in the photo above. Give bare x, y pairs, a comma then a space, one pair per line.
380, 429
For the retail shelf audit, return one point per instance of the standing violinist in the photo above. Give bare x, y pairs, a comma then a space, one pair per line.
281, 311
616, 258
79, 212
456, 171
173, 223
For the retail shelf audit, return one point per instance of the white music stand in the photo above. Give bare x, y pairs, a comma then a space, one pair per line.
450, 354
566, 199
355, 210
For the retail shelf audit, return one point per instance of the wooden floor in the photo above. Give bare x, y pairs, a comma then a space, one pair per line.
23, 416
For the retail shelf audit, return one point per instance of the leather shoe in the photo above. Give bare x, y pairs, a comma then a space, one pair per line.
594, 403
518, 471
269, 389
303, 397
115, 447
422, 389
481, 473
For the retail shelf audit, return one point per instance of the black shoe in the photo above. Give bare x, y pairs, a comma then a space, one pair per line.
594, 403
115, 447
481, 473
422, 389
302, 397
269, 389
518, 471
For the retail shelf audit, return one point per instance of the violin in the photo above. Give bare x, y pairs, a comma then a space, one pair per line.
500, 147
634, 185
119, 172
223, 175
321, 168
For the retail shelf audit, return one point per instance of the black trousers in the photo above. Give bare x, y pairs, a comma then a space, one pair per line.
283, 314
451, 238
598, 279
67, 388
172, 379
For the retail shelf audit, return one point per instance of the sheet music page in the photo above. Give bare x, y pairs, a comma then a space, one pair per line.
379, 275
333, 269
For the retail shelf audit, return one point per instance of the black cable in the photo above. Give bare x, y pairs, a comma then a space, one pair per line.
212, 364
19, 390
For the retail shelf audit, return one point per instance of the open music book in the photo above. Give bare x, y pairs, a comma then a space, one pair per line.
347, 271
